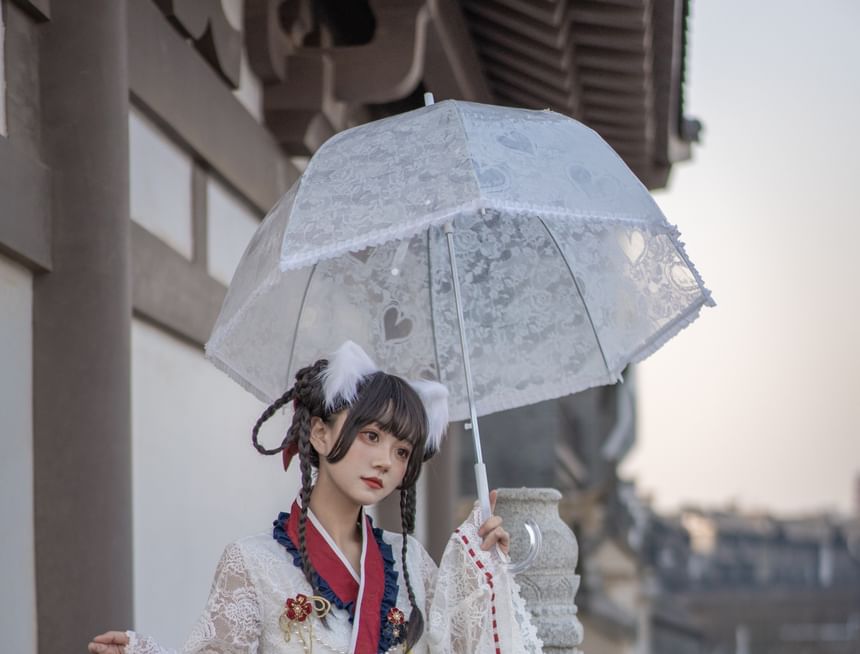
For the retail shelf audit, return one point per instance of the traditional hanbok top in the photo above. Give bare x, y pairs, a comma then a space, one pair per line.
261, 603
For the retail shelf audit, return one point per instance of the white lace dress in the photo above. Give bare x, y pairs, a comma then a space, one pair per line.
471, 604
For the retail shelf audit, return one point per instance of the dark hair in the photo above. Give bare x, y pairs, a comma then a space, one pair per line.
382, 399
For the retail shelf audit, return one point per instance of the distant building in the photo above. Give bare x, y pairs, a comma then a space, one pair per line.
757, 583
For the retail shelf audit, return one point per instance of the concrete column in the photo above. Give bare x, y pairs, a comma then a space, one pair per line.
81, 333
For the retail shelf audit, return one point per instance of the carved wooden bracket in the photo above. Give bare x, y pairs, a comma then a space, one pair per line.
308, 89
204, 22
304, 114
271, 37
391, 66
388, 68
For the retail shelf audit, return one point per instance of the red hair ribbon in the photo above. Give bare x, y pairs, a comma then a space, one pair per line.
289, 452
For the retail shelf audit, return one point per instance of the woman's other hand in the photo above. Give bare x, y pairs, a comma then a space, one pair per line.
110, 642
491, 531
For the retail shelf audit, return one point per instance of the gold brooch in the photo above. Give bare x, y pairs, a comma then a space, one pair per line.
298, 615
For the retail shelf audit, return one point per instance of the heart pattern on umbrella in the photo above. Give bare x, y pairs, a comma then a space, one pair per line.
491, 177
363, 255
516, 141
682, 277
396, 326
632, 244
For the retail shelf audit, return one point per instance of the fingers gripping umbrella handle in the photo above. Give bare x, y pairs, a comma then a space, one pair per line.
531, 527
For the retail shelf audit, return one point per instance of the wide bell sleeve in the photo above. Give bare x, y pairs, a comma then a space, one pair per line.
474, 605
231, 621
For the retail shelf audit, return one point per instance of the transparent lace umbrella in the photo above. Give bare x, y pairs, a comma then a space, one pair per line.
508, 253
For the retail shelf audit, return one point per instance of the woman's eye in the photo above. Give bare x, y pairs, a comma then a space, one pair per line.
403, 453
371, 436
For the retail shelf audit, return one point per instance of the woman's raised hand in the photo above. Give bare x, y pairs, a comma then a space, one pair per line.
110, 642
491, 531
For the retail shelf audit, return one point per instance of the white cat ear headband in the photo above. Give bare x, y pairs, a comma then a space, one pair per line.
349, 365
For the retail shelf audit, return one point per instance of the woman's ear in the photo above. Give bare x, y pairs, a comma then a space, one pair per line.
322, 436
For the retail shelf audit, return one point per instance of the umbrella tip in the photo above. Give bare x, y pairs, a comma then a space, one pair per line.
428, 99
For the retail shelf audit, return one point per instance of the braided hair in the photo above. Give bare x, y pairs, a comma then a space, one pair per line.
383, 399
415, 627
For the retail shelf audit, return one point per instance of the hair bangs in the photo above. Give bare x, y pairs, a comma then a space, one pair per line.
393, 405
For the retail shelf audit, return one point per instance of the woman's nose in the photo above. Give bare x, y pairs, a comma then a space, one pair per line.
383, 460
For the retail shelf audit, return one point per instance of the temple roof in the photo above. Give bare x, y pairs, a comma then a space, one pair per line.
616, 65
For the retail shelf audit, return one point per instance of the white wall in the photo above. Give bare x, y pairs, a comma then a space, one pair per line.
231, 224
17, 563
160, 184
197, 481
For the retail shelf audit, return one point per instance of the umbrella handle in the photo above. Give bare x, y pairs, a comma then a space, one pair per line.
531, 527
535, 542
483, 491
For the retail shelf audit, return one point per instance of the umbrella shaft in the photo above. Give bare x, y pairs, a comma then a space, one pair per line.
470, 393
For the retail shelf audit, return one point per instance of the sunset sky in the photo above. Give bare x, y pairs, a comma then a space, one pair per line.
758, 402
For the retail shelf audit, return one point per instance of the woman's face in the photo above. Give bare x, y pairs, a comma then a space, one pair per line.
372, 468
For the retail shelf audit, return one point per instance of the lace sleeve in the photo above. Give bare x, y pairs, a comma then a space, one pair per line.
475, 607
429, 573
230, 624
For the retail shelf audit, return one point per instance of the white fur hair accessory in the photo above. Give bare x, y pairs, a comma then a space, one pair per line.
346, 368
434, 396
349, 365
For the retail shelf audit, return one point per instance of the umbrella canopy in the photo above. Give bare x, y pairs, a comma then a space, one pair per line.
568, 269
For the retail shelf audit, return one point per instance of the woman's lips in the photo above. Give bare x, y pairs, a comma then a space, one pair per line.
372, 482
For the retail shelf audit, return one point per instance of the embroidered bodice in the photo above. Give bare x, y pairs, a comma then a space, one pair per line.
465, 610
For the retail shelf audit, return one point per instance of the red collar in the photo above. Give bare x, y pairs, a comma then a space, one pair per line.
366, 596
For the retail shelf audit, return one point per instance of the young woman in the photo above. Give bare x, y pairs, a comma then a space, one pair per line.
324, 579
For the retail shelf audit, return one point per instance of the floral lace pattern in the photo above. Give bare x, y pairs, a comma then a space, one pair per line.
470, 577
551, 307
231, 622
392, 178
256, 575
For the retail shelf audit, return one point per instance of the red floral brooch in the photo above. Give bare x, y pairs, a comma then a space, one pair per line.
298, 608
396, 622
297, 614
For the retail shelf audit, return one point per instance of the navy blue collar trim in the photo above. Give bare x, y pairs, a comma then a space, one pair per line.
389, 598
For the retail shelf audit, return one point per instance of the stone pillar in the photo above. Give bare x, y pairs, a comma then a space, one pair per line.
549, 586
81, 333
